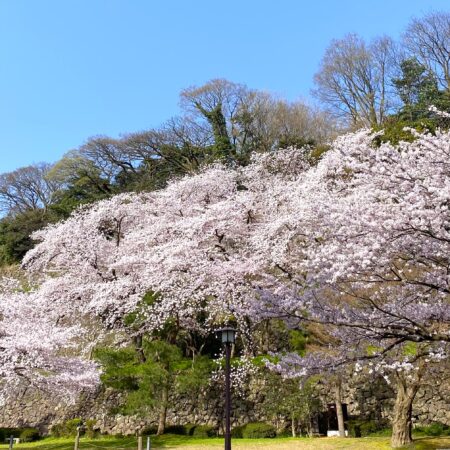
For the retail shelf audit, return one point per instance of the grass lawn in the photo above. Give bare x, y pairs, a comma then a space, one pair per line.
189, 443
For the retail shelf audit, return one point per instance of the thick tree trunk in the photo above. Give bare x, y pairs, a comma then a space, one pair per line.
163, 411
402, 423
339, 410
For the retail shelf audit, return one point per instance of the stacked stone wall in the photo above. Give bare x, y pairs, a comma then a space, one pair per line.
368, 399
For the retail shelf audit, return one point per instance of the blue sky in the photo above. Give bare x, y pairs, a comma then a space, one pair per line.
71, 69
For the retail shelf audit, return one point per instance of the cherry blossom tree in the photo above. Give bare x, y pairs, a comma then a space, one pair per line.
187, 243
36, 347
367, 253
357, 245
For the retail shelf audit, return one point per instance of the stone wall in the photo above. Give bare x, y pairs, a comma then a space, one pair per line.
34, 409
369, 399
374, 399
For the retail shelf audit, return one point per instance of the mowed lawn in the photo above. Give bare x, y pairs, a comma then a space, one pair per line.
186, 443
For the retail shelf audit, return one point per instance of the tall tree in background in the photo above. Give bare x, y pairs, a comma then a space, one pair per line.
245, 120
353, 79
217, 101
428, 40
26, 188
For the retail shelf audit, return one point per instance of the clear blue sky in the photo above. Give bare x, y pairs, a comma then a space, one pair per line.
71, 69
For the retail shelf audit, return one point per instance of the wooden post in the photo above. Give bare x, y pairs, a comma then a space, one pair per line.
77, 439
140, 442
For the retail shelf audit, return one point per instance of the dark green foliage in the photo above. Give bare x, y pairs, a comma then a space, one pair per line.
435, 429
25, 434
237, 432
298, 339
258, 430
142, 373
15, 233
89, 428
71, 198
203, 431
222, 143
284, 433
190, 429
29, 435
417, 88
178, 429
66, 429
361, 428
148, 369
317, 152
193, 377
292, 399
147, 431
394, 130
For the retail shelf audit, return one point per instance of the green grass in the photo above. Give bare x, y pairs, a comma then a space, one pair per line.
191, 443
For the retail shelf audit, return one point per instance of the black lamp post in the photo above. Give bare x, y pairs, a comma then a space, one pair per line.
228, 339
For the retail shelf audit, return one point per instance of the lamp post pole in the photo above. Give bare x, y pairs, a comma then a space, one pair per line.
228, 339
227, 397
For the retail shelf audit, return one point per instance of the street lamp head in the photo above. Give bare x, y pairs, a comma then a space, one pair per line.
228, 335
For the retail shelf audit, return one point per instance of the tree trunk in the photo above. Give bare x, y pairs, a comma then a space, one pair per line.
138, 346
339, 410
293, 427
163, 411
402, 423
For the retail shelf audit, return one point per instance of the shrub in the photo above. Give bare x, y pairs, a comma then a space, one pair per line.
435, 429
361, 428
189, 429
147, 431
259, 430
5, 433
57, 430
29, 435
89, 428
203, 431
66, 429
287, 432
175, 429
236, 432
71, 426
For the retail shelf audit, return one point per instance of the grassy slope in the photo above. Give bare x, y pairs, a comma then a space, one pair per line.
182, 442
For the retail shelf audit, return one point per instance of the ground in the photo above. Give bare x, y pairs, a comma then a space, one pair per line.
186, 443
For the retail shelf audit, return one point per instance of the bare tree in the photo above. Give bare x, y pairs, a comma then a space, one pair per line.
180, 145
428, 40
353, 79
27, 188
110, 156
